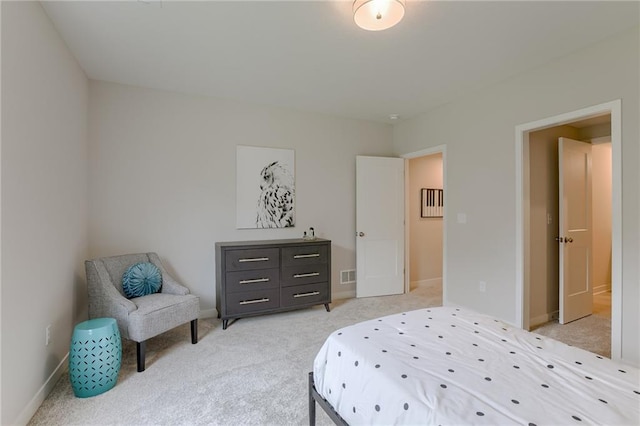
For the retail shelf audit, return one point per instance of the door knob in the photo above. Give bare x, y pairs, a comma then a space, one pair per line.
568, 240
560, 239
360, 234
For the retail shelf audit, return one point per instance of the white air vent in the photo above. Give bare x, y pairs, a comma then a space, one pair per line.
348, 277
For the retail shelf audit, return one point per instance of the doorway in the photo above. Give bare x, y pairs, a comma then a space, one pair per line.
425, 221
545, 298
536, 256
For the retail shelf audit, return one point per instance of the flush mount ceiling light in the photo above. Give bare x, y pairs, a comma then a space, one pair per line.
376, 15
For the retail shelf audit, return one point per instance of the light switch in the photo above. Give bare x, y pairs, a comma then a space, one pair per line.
462, 218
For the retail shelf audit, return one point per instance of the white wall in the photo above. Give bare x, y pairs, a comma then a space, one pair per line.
425, 234
44, 205
163, 177
479, 132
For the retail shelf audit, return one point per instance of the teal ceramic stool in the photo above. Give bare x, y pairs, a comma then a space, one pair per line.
95, 356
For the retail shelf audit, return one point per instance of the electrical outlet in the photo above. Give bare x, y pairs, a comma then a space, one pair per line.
47, 335
482, 286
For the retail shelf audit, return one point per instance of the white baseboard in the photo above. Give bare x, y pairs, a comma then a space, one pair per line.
543, 319
345, 294
44, 391
427, 283
208, 313
603, 288
63, 368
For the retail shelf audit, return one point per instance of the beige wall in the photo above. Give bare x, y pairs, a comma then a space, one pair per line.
44, 205
425, 234
601, 216
163, 166
479, 133
543, 201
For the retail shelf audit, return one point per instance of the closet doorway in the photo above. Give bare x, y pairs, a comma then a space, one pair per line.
424, 221
539, 272
545, 297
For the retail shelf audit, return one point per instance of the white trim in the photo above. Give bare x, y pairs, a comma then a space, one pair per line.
439, 149
1, 351
345, 294
431, 282
521, 135
30, 409
544, 318
208, 313
600, 140
424, 152
602, 288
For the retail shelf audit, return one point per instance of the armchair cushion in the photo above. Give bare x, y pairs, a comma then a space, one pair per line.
157, 313
141, 279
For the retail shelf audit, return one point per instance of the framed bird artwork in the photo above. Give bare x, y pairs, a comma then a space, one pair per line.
265, 187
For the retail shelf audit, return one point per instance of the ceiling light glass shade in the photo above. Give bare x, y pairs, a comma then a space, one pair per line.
376, 15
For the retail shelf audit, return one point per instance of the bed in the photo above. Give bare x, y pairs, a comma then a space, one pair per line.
450, 366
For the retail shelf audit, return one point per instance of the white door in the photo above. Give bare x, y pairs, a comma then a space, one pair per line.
379, 226
576, 290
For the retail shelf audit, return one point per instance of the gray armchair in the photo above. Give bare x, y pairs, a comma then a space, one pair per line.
139, 318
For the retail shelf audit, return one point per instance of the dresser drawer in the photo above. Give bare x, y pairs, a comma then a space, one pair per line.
252, 301
255, 279
304, 255
247, 259
305, 294
304, 274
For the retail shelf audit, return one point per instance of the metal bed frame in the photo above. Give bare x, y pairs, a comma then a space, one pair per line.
314, 397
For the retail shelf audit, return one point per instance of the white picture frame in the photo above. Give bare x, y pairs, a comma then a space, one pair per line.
265, 187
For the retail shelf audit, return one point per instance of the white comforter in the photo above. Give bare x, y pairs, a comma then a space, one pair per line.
447, 366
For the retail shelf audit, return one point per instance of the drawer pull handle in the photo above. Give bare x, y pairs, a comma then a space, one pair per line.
254, 259
250, 302
256, 280
305, 256
312, 293
310, 274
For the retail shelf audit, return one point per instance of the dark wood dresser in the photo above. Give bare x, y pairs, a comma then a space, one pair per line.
260, 277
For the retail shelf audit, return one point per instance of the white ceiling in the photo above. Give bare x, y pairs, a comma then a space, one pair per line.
310, 56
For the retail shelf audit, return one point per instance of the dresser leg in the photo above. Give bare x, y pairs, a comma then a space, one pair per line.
225, 322
326, 306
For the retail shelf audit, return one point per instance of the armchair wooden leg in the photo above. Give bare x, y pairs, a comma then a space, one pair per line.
194, 331
140, 346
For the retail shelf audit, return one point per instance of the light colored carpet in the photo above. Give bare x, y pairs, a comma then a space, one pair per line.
592, 333
253, 373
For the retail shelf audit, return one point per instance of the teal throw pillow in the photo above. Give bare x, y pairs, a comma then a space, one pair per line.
141, 279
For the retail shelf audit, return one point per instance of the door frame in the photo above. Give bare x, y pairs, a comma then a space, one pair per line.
614, 108
439, 149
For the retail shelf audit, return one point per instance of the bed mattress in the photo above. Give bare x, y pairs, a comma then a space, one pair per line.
450, 366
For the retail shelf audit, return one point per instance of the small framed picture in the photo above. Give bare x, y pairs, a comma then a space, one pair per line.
431, 202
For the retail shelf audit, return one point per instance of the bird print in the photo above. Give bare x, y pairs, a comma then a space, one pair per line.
276, 203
